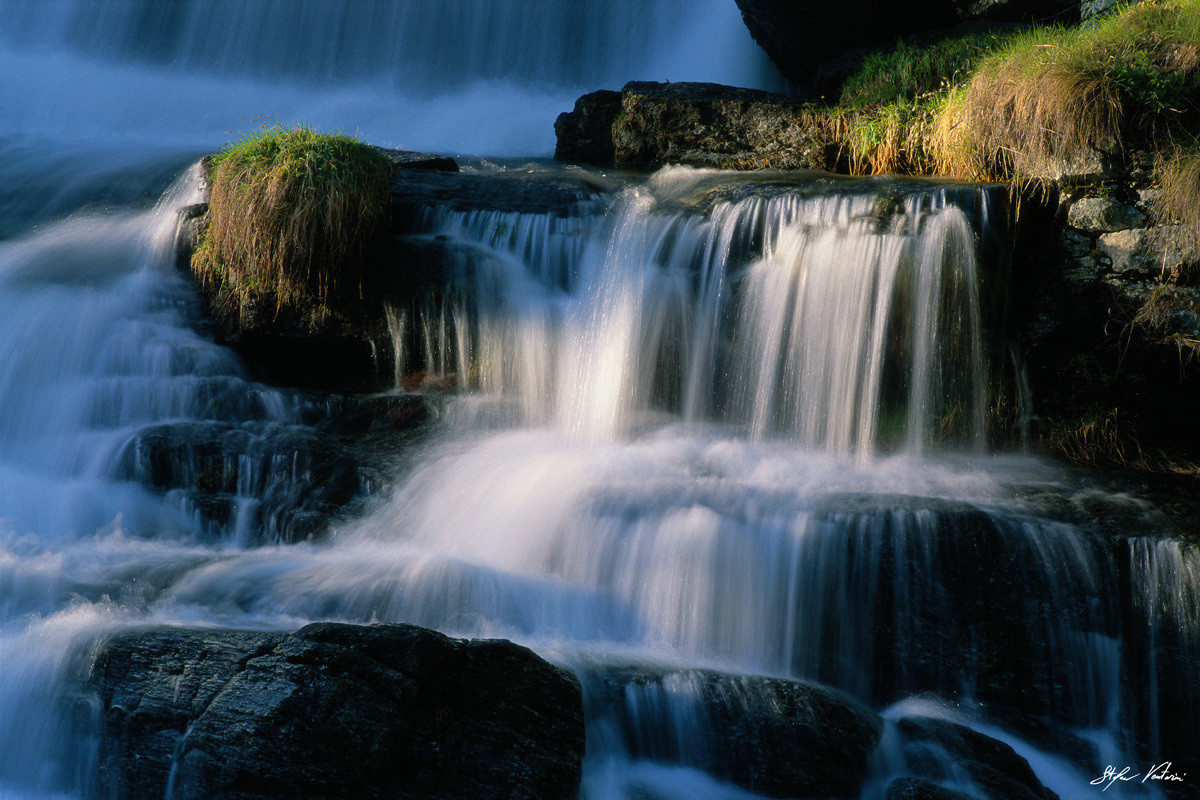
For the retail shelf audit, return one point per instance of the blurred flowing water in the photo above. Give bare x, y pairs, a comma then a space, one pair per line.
743, 434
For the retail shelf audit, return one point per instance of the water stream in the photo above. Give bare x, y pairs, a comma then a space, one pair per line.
749, 435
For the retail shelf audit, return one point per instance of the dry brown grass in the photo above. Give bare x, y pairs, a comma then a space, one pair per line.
292, 214
1025, 116
1106, 439
1178, 199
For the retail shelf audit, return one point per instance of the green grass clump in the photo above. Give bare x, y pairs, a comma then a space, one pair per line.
910, 71
1055, 94
292, 213
1024, 103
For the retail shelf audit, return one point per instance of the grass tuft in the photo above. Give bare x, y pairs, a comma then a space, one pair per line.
292, 212
1057, 94
1178, 198
1026, 103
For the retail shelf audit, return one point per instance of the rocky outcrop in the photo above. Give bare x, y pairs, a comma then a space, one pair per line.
1112, 322
584, 135
697, 124
519, 191
800, 35
333, 711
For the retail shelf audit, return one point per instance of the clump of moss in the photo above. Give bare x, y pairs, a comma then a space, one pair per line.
292, 213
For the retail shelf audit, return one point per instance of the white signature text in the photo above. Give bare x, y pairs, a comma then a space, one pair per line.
1157, 772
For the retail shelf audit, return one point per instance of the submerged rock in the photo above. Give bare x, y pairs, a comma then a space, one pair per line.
921, 789
776, 737
525, 192
993, 766
333, 711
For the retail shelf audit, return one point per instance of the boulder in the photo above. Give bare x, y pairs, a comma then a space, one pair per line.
584, 135
697, 124
346, 344
333, 711
1149, 252
710, 125
1019, 10
1103, 215
775, 737
993, 766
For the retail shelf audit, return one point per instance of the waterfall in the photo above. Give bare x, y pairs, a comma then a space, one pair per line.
710, 425
409, 73
831, 320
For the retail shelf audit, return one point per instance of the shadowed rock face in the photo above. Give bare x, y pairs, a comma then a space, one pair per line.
800, 34
390, 711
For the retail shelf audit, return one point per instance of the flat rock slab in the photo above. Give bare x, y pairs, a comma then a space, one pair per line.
513, 191
698, 124
333, 711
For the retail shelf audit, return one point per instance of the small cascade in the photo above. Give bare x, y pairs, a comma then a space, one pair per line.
839, 320
1164, 646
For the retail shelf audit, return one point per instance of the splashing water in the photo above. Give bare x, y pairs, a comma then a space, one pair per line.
740, 434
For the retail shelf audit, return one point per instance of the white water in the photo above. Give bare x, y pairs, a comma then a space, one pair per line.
710, 440
421, 74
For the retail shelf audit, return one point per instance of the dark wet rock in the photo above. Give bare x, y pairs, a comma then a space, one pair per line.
776, 737
407, 159
1159, 654
993, 766
298, 479
921, 789
1051, 737
193, 221
520, 191
354, 415
696, 124
800, 34
710, 125
1019, 10
585, 134
957, 595
333, 711
345, 344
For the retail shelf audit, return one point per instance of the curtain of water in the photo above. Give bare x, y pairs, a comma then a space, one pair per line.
816, 318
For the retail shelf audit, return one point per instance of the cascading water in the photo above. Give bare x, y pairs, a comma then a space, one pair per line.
741, 434
405, 73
